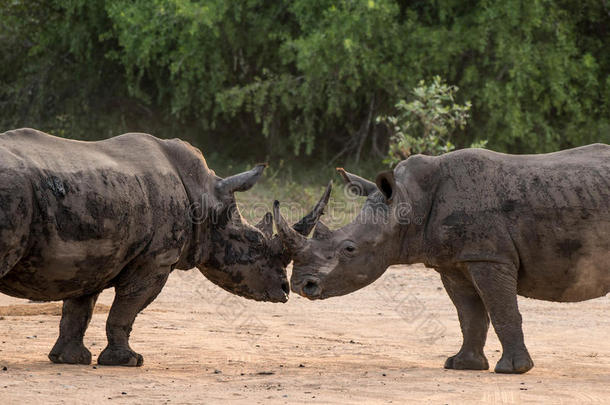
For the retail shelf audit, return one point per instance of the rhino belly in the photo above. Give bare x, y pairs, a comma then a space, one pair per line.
587, 284
578, 272
67, 269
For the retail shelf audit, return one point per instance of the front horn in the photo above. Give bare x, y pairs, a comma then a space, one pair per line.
294, 237
307, 223
291, 239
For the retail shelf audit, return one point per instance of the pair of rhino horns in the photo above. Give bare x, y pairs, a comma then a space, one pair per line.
244, 181
294, 237
302, 227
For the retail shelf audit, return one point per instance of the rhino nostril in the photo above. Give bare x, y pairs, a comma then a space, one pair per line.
311, 287
285, 287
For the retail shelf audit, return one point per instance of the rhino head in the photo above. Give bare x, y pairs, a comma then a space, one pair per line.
338, 262
243, 259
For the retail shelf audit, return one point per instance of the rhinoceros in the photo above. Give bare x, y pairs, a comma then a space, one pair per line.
79, 217
493, 225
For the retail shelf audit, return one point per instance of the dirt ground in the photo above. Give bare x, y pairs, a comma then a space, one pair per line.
383, 344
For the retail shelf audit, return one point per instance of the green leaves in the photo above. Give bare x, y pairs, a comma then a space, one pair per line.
426, 124
305, 76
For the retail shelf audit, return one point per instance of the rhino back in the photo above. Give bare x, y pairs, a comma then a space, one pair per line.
95, 207
548, 214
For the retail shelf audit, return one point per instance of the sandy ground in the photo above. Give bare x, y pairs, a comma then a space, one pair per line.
383, 344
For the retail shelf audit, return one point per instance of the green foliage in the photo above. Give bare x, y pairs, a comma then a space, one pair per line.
425, 124
304, 76
53, 73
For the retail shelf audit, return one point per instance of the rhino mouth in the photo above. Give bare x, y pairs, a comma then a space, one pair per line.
283, 299
276, 295
274, 298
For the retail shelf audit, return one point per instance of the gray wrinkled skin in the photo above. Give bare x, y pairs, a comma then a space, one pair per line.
493, 225
79, 217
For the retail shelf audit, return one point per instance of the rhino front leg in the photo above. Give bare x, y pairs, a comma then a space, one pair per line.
75, 317
474, 322
132, 295
497, 286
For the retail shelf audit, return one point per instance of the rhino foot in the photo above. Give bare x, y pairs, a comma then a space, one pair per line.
517, 362
120, 356
70, 353
467, 361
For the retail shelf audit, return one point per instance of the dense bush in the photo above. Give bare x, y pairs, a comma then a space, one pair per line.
303, 76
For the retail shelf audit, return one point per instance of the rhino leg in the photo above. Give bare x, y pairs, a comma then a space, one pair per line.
474, 322
497, 286
133, 292
75, 316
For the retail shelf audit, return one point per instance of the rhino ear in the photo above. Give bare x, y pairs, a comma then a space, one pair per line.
321, 231
386, 184
266, 225
242, 181
357, 185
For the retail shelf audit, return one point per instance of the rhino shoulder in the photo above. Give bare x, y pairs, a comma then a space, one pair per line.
191, 166
418, 170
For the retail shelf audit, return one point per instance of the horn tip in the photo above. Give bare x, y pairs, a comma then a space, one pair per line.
343, 173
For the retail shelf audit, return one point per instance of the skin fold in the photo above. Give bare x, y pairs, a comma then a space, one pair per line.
493, 225
79, 217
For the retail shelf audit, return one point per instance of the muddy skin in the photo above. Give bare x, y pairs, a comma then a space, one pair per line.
79, 217
493, 225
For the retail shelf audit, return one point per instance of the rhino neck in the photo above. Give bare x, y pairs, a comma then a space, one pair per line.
412, 233
198, 181
417, 184
198, 249
412, 246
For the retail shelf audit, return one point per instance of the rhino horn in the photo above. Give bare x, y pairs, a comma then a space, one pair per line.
291, 239
266, 225
357, 185
307, 223
240, 182
321, 231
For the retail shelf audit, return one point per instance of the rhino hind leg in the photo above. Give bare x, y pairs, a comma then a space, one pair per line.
133, 292
75, 317
497, 286
474, 322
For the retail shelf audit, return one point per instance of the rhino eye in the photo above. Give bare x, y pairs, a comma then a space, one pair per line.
348, 249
